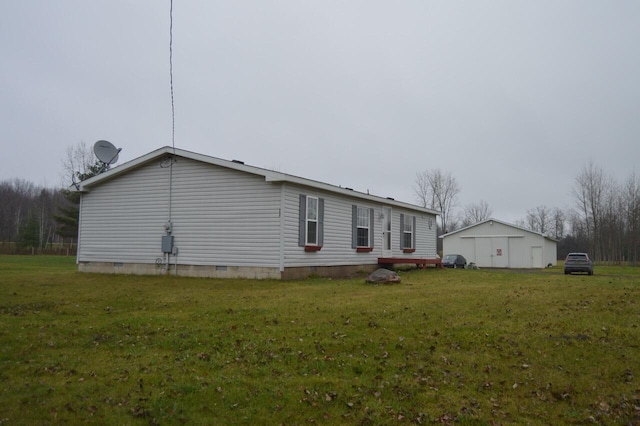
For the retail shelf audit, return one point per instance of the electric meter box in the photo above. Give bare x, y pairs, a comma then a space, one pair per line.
167, 243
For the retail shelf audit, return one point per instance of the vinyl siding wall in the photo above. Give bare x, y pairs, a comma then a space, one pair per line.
550, 252
121, 221
223, 217
220, 217
337, 246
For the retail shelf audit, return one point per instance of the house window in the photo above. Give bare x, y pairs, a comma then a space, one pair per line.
362, 228
311, 222
407, 232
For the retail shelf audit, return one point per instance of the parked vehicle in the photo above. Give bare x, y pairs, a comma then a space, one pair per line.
454, 261
578, 262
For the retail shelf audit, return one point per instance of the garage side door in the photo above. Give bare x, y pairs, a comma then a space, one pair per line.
536, 257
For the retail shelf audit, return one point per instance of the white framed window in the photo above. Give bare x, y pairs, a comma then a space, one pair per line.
407, 232
312, 221
363, 227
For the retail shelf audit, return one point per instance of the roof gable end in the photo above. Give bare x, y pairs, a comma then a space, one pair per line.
491, 220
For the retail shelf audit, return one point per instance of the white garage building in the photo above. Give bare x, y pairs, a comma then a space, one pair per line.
495, 244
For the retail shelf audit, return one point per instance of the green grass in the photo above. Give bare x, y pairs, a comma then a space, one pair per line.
444, 346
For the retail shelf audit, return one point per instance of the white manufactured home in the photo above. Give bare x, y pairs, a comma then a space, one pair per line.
178, 212
495, 244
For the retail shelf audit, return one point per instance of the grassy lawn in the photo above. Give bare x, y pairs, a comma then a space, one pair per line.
444, 346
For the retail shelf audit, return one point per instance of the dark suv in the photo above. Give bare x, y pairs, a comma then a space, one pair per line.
578, 262
454, 261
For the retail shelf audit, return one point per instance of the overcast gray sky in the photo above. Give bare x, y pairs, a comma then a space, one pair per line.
511, 97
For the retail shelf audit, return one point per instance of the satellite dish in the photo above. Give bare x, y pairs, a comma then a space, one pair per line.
106, 152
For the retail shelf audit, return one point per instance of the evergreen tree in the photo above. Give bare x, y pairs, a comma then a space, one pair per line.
28, 234
67, 217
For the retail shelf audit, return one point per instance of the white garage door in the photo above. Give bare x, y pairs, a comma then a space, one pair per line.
500, 246
492, 252
483, 252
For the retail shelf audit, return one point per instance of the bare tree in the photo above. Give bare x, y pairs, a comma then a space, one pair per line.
79, 161
12, 208
422, 189
631, 210
438, 190
589, 191
521, 223
577, 226
47, 202
20, 201
558, 219
539, 218
475, 213
612, 226
26, 214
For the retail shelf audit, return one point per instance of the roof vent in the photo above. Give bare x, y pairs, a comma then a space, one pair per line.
390, 198
238, 161
350, 189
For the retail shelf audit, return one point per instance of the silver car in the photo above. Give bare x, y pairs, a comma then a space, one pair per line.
578, 262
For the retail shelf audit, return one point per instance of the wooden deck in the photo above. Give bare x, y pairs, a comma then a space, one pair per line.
420, 263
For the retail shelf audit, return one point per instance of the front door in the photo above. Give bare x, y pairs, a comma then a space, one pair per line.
386, 232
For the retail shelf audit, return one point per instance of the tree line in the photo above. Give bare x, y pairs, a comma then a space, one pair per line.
606, 217
34, 218
27, 216
604, 220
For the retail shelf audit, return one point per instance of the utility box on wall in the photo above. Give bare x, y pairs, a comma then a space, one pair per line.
167, 243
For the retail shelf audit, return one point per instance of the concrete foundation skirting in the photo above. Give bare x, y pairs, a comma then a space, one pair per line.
344, 271
208, 271
203, 271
